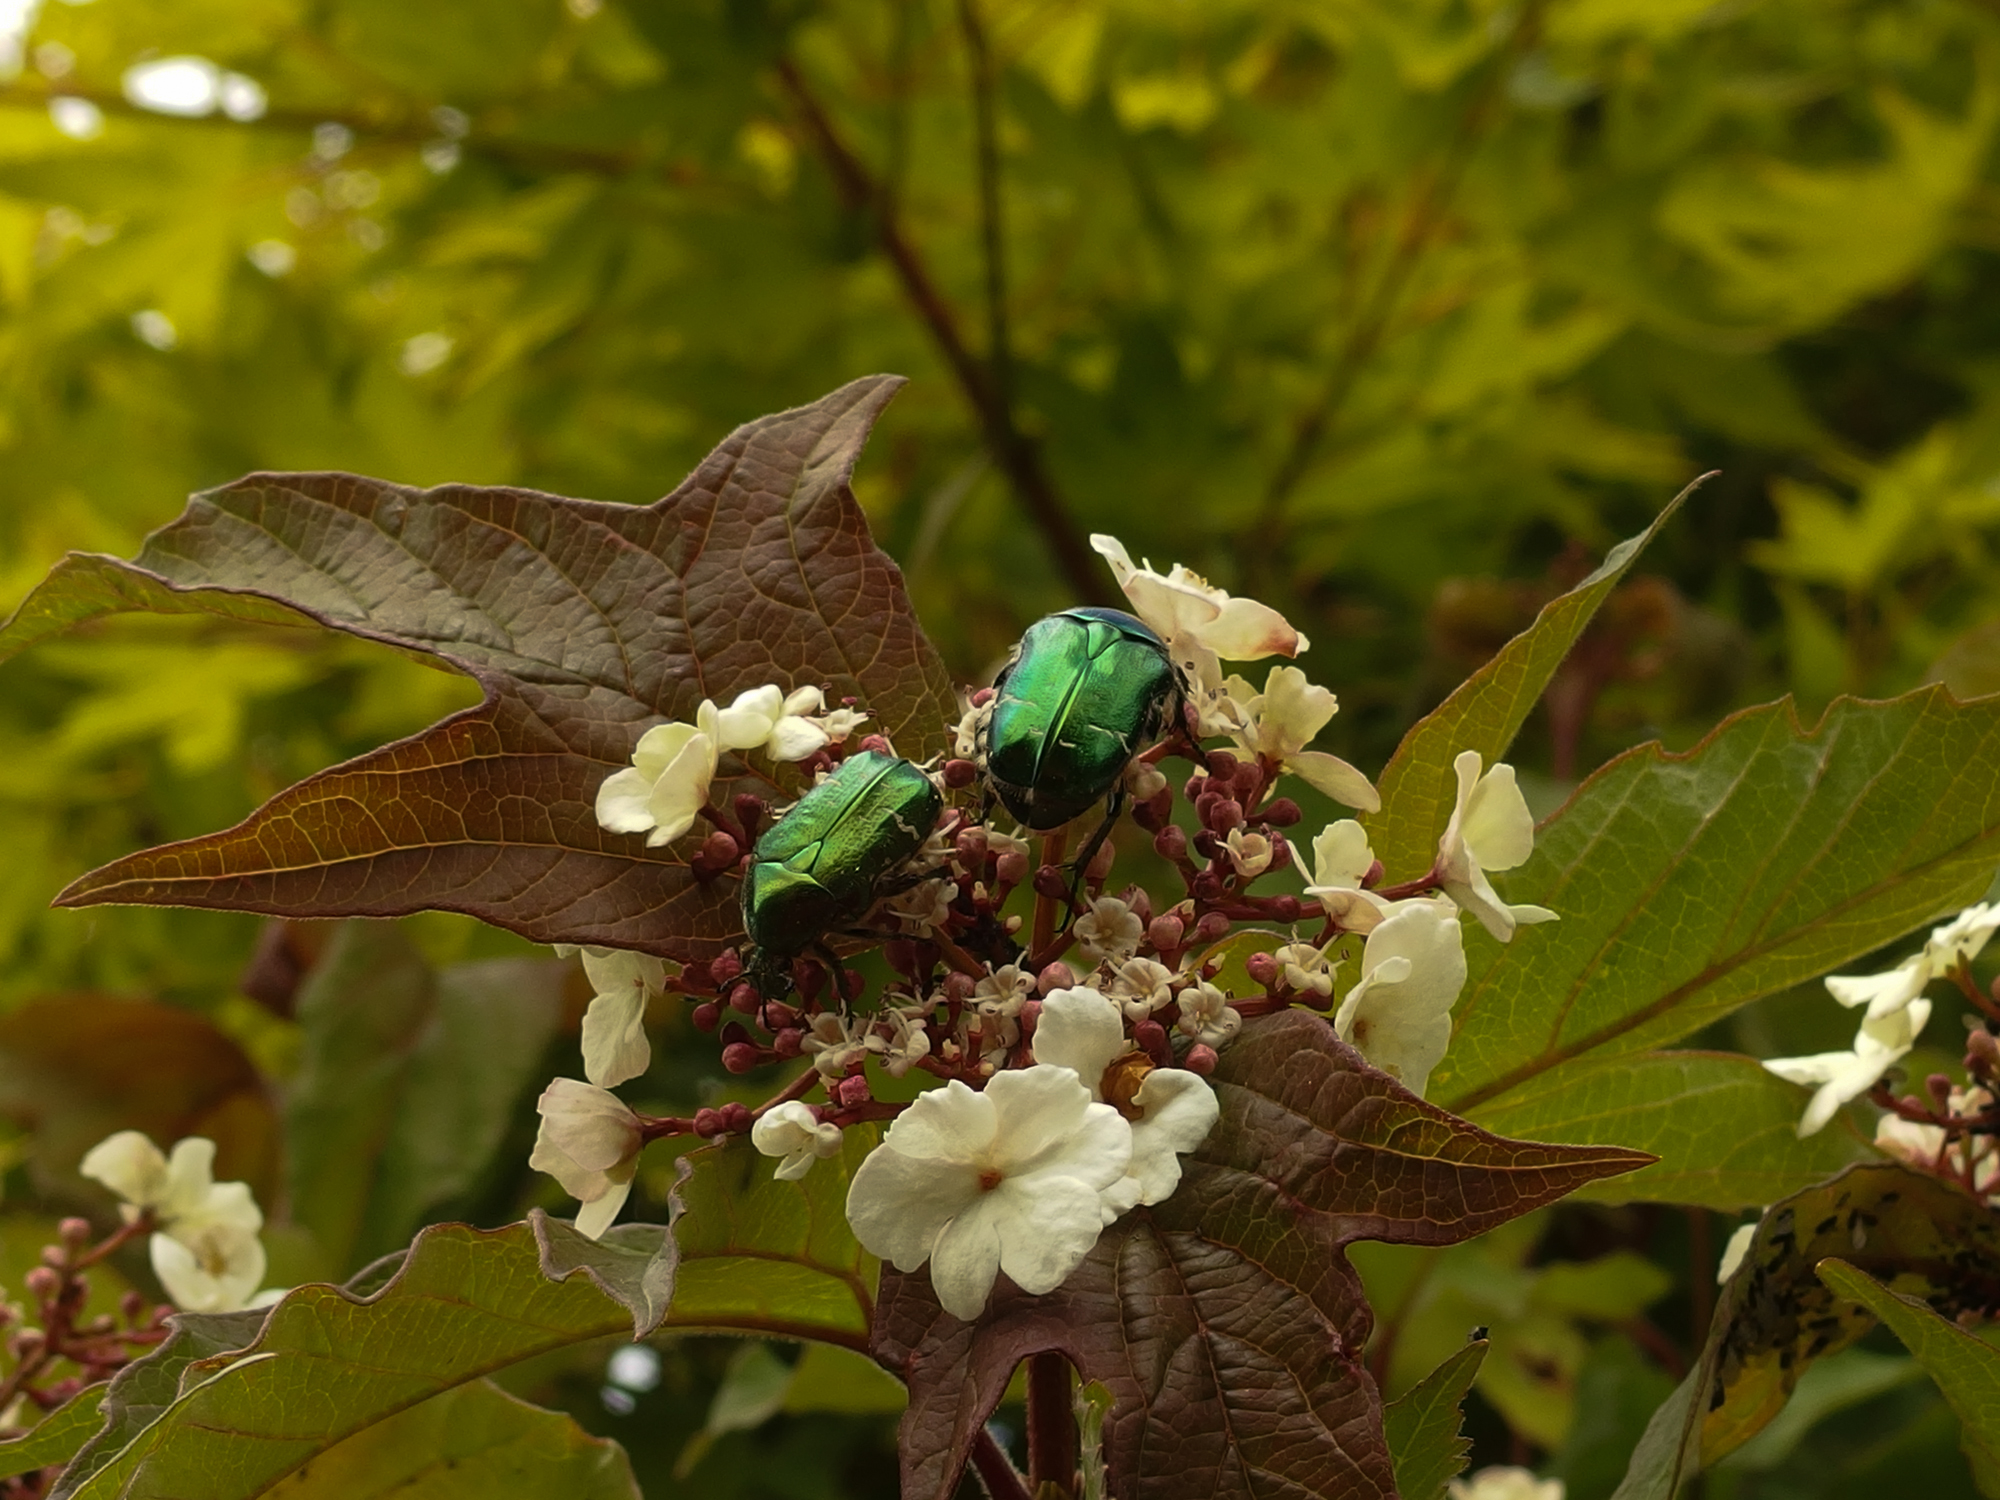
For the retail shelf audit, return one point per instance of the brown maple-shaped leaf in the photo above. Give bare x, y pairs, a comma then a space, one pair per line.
585, 624
1226, 1321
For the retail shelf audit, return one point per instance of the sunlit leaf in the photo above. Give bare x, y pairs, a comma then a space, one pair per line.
1422, 1426
56, 1438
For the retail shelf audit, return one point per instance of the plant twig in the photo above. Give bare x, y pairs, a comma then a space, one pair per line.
995, 1469
1017, 456
1052, 1438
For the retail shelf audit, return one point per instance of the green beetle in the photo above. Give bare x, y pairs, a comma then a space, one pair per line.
819, 868
1087, 689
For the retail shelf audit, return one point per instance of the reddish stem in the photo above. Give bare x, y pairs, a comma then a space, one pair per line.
1052, 1437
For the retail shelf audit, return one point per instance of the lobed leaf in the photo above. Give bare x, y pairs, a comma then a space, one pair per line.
1485, 712
1967, 1369
1724, 1129
57, 1437
1422, 1426
1776, 1316
1692, 884
1226, 1320
584, 623
468, 1443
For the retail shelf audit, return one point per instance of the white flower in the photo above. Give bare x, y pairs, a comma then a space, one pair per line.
615, 1048
1281, 721
1845, 1076
833, 1045
1307, 969
1142, 986
1109, 930
1251, 853
1171, 1113
924, 907
1002, 992
906, 1041
971, 729
590, 1143
1961, 938
1201, 625
1505, 1483
207, 1253
216, 1266
1490, 829
1923, 1146
133, 1168
1341, 858
979, 1183
784, 726
1399, 1012
1734, 1251
1206, 1014
793, 1131
664, 789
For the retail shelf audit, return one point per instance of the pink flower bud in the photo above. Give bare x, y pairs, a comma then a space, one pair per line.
1213, 927
1200, 1059
725, 968
982, 696
1282, 813
1222, 765
959, 774
1031, 1012
970, 846
74, 1232
1207, 886
132, 1306
1284, 908
736, 1117
851, 1092
744, 1000
1100, 862
790, 1042
1057, 976
878, 744
1152, 1037
1165, 933
708, 1123
1153, 813
1171, 843
1263, 968
1011, 868
44, 1282
1221, 813
707, 1016
1051, 882
741, 1057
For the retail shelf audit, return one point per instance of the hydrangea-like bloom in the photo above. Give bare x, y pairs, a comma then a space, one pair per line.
1490, 829
1282, 720
1010, 1179
1960, 939
615, 1048
1201, 624
207, 1253
1171, 1113
1341, 858
590, 1143
1398, 1015
791, 1130
1846, 1076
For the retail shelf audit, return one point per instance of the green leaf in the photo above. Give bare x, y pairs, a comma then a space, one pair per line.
469, 1443
1725, 1130
584, 623
1230, 1311
1484, 713
1833, 1384
1690, 885
1967, 1369
1422, 1426
408, 1080
57, 1437
1776, 1316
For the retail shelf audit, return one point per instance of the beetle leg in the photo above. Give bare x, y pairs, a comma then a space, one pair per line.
834, 970
1113, 806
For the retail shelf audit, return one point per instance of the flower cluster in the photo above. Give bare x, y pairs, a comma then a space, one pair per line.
1895, 1015
1068, 1025
205, 1247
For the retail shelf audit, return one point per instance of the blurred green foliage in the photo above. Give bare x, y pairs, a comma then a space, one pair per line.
1393, 312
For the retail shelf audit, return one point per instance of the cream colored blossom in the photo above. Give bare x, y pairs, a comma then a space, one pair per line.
1398, 1014
615, 1048
1207, 1015
1959, 940
664, 789
1845, 1076
1734, 1251
793, 1132
1504, 1482
1341, 860
589, 1142
1307, 969
207, 1253
1490, 829
1281, 721
1251, 853
1141, 987
1110, 930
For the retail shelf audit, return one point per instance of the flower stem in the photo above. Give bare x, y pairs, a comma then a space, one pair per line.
1052, 1439
995, 1469
1053, 845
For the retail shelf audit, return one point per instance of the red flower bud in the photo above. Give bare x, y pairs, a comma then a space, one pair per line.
790, 1042
1263, 969
1213, 927
708, 1123
1165, 934
1282, 813
707, 1016
1100, 862
741, 1057
1171, 843
1152, 1037
1011, 868
725, 968
1200, 1059
1057, 976
959, 774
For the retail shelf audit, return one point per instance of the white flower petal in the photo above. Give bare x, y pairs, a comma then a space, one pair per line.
624, 803
899, 1202
965, 1258
1080, 1029
615, 1048
130, 1165
1399, 1014
747, 722
1177, 1111
1334, 777
596, 1216
1244, 630
794, 738
1498, 828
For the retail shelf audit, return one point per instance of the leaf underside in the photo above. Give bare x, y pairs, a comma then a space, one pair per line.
1226, 1320
584, 623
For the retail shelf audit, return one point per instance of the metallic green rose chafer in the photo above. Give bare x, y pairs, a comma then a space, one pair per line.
820, 867
1087, 690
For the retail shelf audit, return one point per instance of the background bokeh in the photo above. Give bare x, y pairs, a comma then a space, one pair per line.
1394, 313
